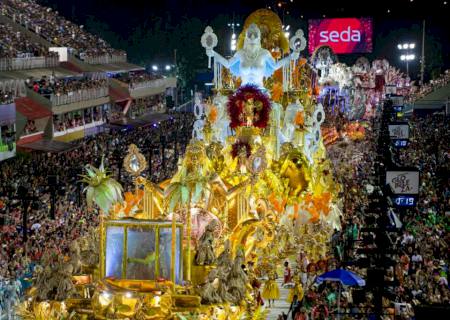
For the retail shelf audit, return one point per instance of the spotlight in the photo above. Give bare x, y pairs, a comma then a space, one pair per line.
412, 45
405, 46
154, 67
400, 47
128, 295
168, 67
403, 57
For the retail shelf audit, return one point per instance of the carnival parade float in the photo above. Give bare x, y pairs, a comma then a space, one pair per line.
254, 187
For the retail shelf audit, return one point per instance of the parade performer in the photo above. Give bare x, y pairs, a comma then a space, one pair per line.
287, 274
297, 290
271, 292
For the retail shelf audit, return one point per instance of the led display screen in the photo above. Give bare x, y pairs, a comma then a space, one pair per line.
343, 35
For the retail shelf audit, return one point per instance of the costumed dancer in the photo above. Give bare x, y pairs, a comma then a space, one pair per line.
271, 292
297, 290
287, 274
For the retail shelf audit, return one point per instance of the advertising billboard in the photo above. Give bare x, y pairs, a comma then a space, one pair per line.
398, 131
343, 35
403, 182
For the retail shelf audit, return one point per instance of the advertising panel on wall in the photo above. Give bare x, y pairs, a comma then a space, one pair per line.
7, 131
403, 182
343, 35
399, 131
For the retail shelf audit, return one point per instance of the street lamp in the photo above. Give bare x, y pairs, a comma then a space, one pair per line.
286, 31
408, 55
168, 67
233, 43
154, 67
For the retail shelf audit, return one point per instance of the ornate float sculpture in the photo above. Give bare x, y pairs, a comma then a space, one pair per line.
254, 186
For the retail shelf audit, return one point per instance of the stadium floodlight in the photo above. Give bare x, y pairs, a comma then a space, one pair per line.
400, 47
412, 45
403, 57
405, 46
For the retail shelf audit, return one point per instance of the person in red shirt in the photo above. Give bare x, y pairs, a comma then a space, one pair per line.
287, 273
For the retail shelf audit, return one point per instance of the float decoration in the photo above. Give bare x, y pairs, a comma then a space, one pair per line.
249, 106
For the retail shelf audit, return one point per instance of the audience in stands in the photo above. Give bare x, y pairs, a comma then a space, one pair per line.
54, 28
14, 44
161, 143
51, 86
30, 127
427, 88
420, 271
136, 78
7, 97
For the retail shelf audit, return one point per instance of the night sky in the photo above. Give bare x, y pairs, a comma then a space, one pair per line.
123, 16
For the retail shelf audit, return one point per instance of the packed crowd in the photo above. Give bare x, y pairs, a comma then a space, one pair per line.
161, 144
53, 27
419, 261
52, 86
145, 105
6, 96
16, 45
62, 122
427, 88
133, 78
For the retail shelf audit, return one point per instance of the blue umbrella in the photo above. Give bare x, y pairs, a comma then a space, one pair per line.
345, 278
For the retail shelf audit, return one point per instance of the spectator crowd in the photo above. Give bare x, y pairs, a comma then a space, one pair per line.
55, 29
418, 271
52, 86
162, 144
429, 87
13, 44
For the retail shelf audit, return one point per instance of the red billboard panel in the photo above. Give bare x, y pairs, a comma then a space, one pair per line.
343, 35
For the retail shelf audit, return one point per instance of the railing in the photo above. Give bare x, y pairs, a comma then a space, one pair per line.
77, 96
9, 64
104, 59
147, 84
85, 126
15, 86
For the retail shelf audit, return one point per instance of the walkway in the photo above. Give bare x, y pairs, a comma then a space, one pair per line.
281, 305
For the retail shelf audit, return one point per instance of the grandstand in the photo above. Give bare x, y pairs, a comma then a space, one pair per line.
64, 83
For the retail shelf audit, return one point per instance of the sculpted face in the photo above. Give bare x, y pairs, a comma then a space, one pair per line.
253, 35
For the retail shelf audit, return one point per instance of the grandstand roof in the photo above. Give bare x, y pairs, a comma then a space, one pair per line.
31, 109
36, 73
118, 67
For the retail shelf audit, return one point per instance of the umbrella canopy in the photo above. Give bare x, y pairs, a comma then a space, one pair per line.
345, 277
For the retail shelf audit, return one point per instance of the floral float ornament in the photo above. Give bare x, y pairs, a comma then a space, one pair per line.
101, 189
212, 114
249, 106
299, 119
130, 206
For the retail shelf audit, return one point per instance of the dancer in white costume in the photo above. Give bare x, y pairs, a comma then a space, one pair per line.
252, 63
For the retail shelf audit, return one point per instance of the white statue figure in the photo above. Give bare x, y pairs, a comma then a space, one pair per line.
252, 63
221, 129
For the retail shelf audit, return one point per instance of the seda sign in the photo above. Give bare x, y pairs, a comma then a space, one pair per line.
342, 35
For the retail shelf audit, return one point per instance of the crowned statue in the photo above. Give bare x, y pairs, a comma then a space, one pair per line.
252, 63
